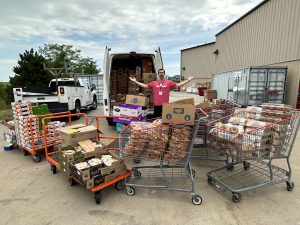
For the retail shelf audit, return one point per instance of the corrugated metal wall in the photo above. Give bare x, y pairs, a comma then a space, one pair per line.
269, 34
198, 61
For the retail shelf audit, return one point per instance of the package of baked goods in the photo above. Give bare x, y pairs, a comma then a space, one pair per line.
180, 138
276, 107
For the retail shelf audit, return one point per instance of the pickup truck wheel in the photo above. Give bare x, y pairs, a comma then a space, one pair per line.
76, 110
94, 104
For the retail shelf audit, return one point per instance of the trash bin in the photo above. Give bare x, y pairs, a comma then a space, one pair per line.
201, 90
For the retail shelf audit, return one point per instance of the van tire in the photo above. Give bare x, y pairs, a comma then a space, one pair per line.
94, 106
110, 122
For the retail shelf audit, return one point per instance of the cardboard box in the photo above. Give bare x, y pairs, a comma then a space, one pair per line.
91, 149
129, 110
147, 69
109, 177
185, 101
73, 134
218, 102
210, 94
137, 100
147, 92
120, 170
149, 77
67, 171
121, 97
133, 91
204, 105
83, 175
89, 183
178, 113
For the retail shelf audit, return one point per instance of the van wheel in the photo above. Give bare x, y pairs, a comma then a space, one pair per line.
110, 122
94, 104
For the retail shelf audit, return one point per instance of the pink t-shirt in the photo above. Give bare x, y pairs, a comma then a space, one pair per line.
161, 91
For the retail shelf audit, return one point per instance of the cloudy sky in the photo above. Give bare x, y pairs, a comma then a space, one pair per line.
90, 25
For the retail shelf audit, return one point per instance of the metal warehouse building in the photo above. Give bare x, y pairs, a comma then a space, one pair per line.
268, 35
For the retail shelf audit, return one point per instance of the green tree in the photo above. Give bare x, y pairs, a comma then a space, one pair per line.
3, 96
56, 56
28, 72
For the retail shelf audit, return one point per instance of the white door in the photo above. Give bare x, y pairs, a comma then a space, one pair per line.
106, 81
158, 60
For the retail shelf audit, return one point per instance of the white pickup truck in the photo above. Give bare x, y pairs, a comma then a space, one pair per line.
64, 94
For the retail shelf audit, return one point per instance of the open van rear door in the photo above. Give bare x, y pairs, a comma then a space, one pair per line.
158, 59
106, 78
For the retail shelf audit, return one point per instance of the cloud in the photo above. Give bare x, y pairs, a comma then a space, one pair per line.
123, 25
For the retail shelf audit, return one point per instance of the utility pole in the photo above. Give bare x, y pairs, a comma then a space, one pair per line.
55, 71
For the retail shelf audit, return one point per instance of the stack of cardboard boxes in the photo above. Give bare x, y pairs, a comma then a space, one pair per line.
133, 88
86, 160
147, 65
122, 81
121, 85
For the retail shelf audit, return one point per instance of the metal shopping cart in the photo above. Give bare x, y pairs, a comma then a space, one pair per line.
253, 151
214, 112
165, 154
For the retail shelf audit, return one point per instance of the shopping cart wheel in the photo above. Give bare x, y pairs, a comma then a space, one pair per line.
36, 158
137, 174
53, 169
130, 191
196, 199
193, 173
290, 185
236, 197
210, 180
71, 182
120, 185
97, 197
230, 167
246, 165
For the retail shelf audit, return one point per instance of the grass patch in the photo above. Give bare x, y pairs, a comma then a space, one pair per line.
6, 114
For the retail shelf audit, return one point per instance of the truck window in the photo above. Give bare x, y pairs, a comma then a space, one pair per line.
62, 83
53, 87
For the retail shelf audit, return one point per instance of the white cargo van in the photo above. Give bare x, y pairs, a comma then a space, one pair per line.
121, 66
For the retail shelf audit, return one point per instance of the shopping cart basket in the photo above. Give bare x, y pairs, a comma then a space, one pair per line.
165, 152
214, 112
253, 147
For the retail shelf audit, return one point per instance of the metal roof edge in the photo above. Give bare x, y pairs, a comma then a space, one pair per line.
243, 16
198, 46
